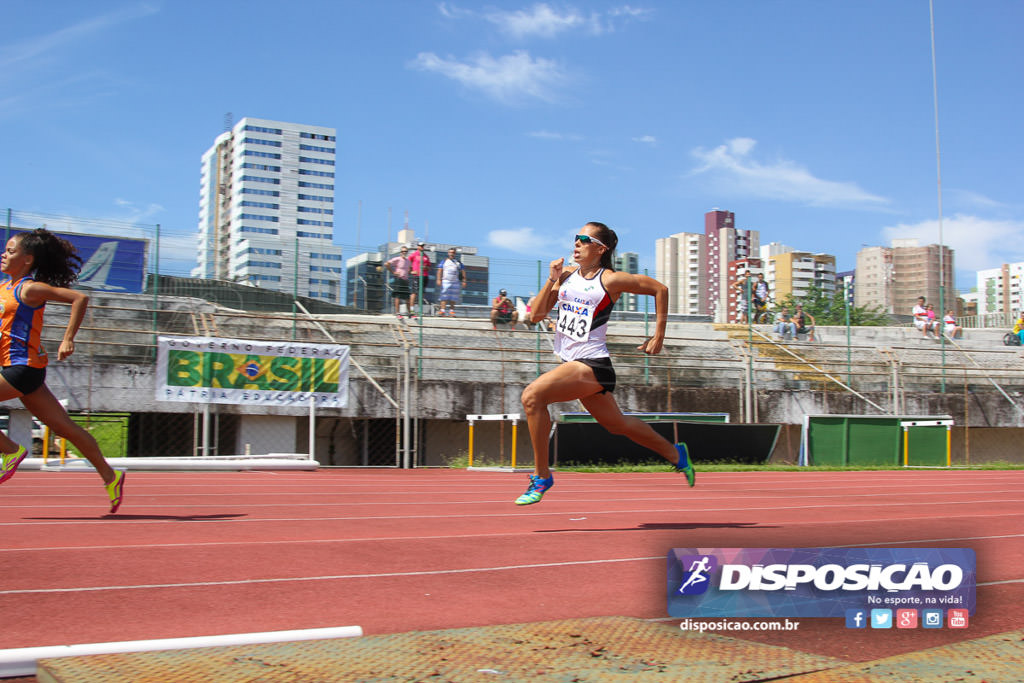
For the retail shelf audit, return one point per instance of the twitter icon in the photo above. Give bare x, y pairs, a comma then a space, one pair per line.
881, 618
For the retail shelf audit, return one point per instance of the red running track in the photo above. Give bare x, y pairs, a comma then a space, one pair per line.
193, 554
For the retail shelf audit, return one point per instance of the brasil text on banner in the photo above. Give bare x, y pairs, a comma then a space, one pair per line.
245, 372
816, 582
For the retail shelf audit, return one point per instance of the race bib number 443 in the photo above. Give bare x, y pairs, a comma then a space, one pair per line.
575, 320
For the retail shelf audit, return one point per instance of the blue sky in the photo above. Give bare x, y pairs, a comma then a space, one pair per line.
509, 124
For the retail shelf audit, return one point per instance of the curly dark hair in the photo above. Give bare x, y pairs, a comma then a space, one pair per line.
55, 260
610, 240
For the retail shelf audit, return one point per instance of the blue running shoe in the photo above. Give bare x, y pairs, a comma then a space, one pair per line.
536, 490
684, 465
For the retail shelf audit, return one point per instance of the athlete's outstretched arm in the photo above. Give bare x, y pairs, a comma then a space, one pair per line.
617, 283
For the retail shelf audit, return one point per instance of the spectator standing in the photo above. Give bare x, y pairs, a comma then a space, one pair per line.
743, 285
953, 330
399, 268
419, 269
451, 278
1018, 327
503, 310
761, 296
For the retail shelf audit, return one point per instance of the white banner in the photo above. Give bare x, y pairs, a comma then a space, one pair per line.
244, 372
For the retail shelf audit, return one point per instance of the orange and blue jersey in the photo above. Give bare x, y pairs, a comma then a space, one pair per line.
21, 327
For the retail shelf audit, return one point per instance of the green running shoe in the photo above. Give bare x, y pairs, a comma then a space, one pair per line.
536, 490
9, 463
684, 465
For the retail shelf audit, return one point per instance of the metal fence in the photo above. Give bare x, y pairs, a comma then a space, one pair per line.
404, 361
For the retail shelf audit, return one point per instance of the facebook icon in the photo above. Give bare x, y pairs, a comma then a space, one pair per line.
856, 618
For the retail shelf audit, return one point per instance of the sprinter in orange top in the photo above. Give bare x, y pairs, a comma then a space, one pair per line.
40, 267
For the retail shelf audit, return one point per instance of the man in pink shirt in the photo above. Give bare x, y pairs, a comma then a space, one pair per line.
419, 265
399, 267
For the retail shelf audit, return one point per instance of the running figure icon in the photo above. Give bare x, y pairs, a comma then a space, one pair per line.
698, 574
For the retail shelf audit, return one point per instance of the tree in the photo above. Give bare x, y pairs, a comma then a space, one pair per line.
831, 309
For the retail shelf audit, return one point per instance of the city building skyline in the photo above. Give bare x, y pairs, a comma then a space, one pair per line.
1000, 290
892, 278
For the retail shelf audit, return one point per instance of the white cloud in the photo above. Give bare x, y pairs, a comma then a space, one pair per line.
507, 79
646, 139
549, 135
540, 20
968, 198
977, 243
544, 21
521, 241
733, 170
40, 45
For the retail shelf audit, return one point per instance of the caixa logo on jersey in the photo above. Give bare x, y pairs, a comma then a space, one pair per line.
816, 582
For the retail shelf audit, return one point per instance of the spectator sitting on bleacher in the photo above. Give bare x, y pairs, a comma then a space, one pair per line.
784, 325
921, 321
503, 310
804, 322
953, 330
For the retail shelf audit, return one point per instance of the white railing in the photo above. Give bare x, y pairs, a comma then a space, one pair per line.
999, 320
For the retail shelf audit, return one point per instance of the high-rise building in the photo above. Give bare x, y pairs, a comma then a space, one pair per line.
795, 272
1001, 290
627, 262
266, 209
680, 266
891, 278
724, 244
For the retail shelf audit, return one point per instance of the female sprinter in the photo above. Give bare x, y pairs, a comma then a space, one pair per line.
585, 297
54, 264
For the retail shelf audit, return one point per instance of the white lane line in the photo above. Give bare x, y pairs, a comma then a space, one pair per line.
342, 577
444, 537
336, 577
703, 499
477, 515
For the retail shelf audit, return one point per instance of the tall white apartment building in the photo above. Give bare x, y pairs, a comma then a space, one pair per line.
680, 265
266, 209
1001, 290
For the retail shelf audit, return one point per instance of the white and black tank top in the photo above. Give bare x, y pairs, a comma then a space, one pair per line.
584, 308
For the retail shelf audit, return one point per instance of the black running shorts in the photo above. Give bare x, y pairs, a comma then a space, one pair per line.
604, 373
23, 378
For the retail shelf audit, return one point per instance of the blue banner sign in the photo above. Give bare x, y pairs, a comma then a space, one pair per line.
817, 582
109, 264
